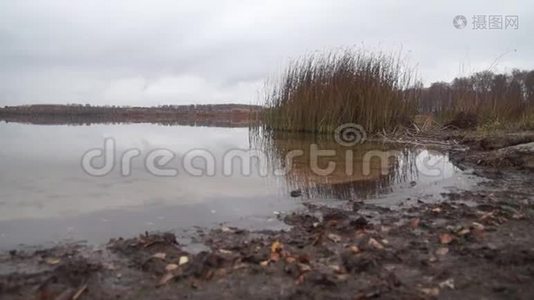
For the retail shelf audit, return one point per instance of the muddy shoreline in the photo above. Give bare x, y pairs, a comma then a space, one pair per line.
471, 244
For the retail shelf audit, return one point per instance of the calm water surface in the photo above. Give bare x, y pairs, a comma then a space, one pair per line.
46, 197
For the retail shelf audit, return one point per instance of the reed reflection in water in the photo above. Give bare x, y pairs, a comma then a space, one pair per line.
363, 171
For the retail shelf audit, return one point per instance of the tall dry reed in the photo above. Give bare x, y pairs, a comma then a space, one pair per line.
319, 92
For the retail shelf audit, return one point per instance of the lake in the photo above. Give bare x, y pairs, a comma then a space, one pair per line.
54, 187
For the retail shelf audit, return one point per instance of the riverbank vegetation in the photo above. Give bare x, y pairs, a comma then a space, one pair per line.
485, 100
319, 92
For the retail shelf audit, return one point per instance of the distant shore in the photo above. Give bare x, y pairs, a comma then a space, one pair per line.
226, 115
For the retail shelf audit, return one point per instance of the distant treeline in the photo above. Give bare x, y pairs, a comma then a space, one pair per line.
485, 95
87, 109
80, 120
233, 115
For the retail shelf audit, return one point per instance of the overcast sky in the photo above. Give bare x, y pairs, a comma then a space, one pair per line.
154, 52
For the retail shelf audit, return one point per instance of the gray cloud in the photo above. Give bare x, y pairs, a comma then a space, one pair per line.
167, 51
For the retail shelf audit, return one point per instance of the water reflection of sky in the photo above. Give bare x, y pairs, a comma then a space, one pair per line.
45, 195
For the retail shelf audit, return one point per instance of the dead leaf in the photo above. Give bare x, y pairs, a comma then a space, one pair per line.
334, 238
165, 279
227, 229
478, 226
240, 266
276, 247
183, 260
275, 256
209, 275
385, 229
220, 272
354, 249
290, 259
414, 223
79, 292
342, 277
518, 216
434, 292
449, 283
360, 234
160, 255
486, 215
171, 267
442, 251
375, 244
336, 269
304, 268
52, 260
464, 231
446, 238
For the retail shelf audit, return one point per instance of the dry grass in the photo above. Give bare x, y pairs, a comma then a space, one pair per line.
319, 92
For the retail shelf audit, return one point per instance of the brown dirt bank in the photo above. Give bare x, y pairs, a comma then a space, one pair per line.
474, 244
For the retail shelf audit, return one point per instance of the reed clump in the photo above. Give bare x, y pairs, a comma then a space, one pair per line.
319, 92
